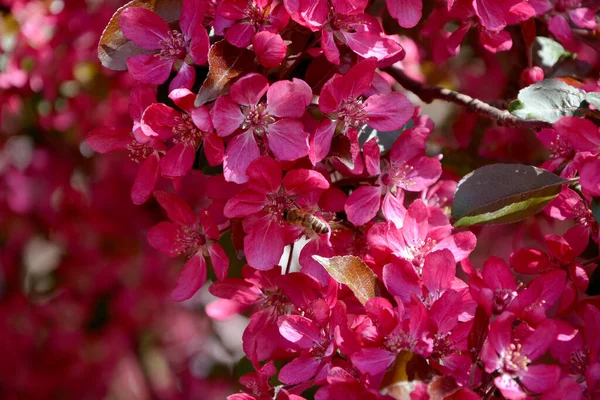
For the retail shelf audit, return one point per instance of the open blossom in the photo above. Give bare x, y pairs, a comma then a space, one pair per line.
248, 17
142, 149
341, 100
510, 352
270, 127
407, 169
495, 288
418, 237
262, 206
194, 236
168, 47
187, 130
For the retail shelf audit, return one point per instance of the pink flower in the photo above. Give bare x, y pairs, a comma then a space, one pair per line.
191, 235
407, 169
570, 205
342, 102
407, 12
249, 17
188, 130
167, 47
262, 206
510, 352
495, 289
270, 127
417, 238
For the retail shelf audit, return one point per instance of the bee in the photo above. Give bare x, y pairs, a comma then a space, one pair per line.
305, 220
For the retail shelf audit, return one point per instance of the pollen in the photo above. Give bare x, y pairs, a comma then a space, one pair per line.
138, 152
189, 240
257, 118
502, 298
513, 360
352, 112
186, 132
173, 46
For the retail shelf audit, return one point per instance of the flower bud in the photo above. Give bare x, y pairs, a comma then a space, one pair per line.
531, 75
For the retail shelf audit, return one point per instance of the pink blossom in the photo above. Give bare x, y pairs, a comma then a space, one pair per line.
195, 237
247, 17
341, 101
495, 288
262, 206
510, 352
407, 169
187, 130
270, 127
167, 47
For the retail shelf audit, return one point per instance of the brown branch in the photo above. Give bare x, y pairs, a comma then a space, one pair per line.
429, 93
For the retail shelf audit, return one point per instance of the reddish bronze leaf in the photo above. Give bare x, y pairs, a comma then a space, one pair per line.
225, 64
352, 272
114, 48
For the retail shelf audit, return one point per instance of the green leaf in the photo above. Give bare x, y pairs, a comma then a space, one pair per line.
547, 51
548, 100
503, 193
593, 98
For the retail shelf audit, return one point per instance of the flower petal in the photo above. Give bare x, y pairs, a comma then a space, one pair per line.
288, 99
287, 139
388, 112
148, 68
363, 204
145, 179
143, 27
190, 279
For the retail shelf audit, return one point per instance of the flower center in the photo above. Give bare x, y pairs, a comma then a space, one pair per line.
274, 300
138, 152
559, 147
416, 254
352, 112
584, 216
502, 298
256, 117
442, 346
579, 361
189, 240
398, 175
186, 132
320, 349
397, 341
514, 361
173, 46
255, 14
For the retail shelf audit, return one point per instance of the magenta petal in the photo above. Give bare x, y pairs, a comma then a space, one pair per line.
406, 12
178, 161
372, 361
214, 149
584, 18
145, 180
320, 141
288, 99
491, 14
509, 388
240, 34
201, 118
401, 280
269, 48
163, 237
495, 41
299, 330
358, 79
263, 245
148, 68
159, 120
287, 139
192, 16
300, 181
393, 207
177, 209
540, 378
199, 46
299, 370
330, 49
367, 43
105, 140
245, 203
363, 204
226, 116
143, 27
460, 244
372, 155
265, 175
349, 6
425, 172
388, 112
249, 89
415, 226
439, 271
219, 260
240, 152
190, 279
184, 79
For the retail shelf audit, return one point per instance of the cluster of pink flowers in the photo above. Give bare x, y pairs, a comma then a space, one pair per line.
291, 130
261, 132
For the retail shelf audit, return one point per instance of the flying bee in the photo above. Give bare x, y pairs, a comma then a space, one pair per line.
305, 220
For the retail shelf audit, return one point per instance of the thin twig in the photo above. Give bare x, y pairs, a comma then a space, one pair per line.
429, 93
289, 262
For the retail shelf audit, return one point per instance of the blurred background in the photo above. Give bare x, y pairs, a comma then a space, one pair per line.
85, 311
